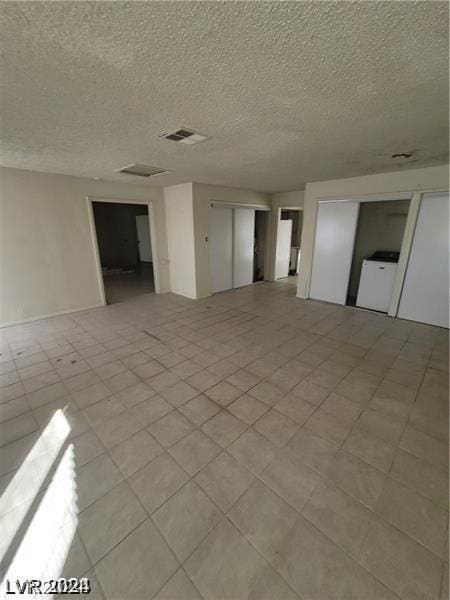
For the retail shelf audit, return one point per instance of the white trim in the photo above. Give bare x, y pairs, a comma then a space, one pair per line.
435, 194
154, 245
49, 316
151, 218
239, 205
368, 198
117, 200
405, 195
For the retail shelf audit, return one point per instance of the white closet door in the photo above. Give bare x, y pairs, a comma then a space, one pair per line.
221, 248
283, 248
333, 250
425, 295
243, 250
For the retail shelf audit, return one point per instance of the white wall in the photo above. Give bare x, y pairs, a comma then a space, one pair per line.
431, 178
47, 260
179, 207
47, 257
294, 199
203, 196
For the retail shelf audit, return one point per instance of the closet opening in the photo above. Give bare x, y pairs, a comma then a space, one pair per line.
378, 240
238, 245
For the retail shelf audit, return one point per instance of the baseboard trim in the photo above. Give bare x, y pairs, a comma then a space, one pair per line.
50, 315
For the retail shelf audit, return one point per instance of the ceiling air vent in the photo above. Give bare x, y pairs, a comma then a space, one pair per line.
184, 136
141, 170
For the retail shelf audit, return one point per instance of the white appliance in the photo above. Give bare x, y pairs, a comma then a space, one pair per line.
283, 248
375, 284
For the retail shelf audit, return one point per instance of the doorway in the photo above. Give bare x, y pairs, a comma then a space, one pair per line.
124, 248
379, 235
289, 236
260, 247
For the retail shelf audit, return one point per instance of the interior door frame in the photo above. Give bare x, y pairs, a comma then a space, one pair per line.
151, 213
261, 207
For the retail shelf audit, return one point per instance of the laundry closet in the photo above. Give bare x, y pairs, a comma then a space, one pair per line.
363, 257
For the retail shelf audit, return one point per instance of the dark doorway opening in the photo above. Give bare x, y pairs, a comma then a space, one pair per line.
259, 245
124, 244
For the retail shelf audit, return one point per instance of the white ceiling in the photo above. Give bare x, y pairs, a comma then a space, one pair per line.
289, 92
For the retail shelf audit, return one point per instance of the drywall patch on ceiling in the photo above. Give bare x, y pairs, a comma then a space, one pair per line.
289, 92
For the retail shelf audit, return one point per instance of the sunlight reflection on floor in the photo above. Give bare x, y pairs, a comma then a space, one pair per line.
46, 535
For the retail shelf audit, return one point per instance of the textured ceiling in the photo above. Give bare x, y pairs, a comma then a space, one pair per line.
289, 92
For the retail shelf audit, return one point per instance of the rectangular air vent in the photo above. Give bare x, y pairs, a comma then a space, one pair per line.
184, 136
141, 170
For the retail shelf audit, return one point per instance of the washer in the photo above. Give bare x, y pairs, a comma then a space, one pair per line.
377, 280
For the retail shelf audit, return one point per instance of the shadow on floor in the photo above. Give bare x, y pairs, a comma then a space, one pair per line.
123, 286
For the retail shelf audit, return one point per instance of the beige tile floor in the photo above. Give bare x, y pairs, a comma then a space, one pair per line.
248, 445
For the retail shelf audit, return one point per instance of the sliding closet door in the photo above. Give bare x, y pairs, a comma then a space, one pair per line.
333, 250
243, 246
425, 295
221, 248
